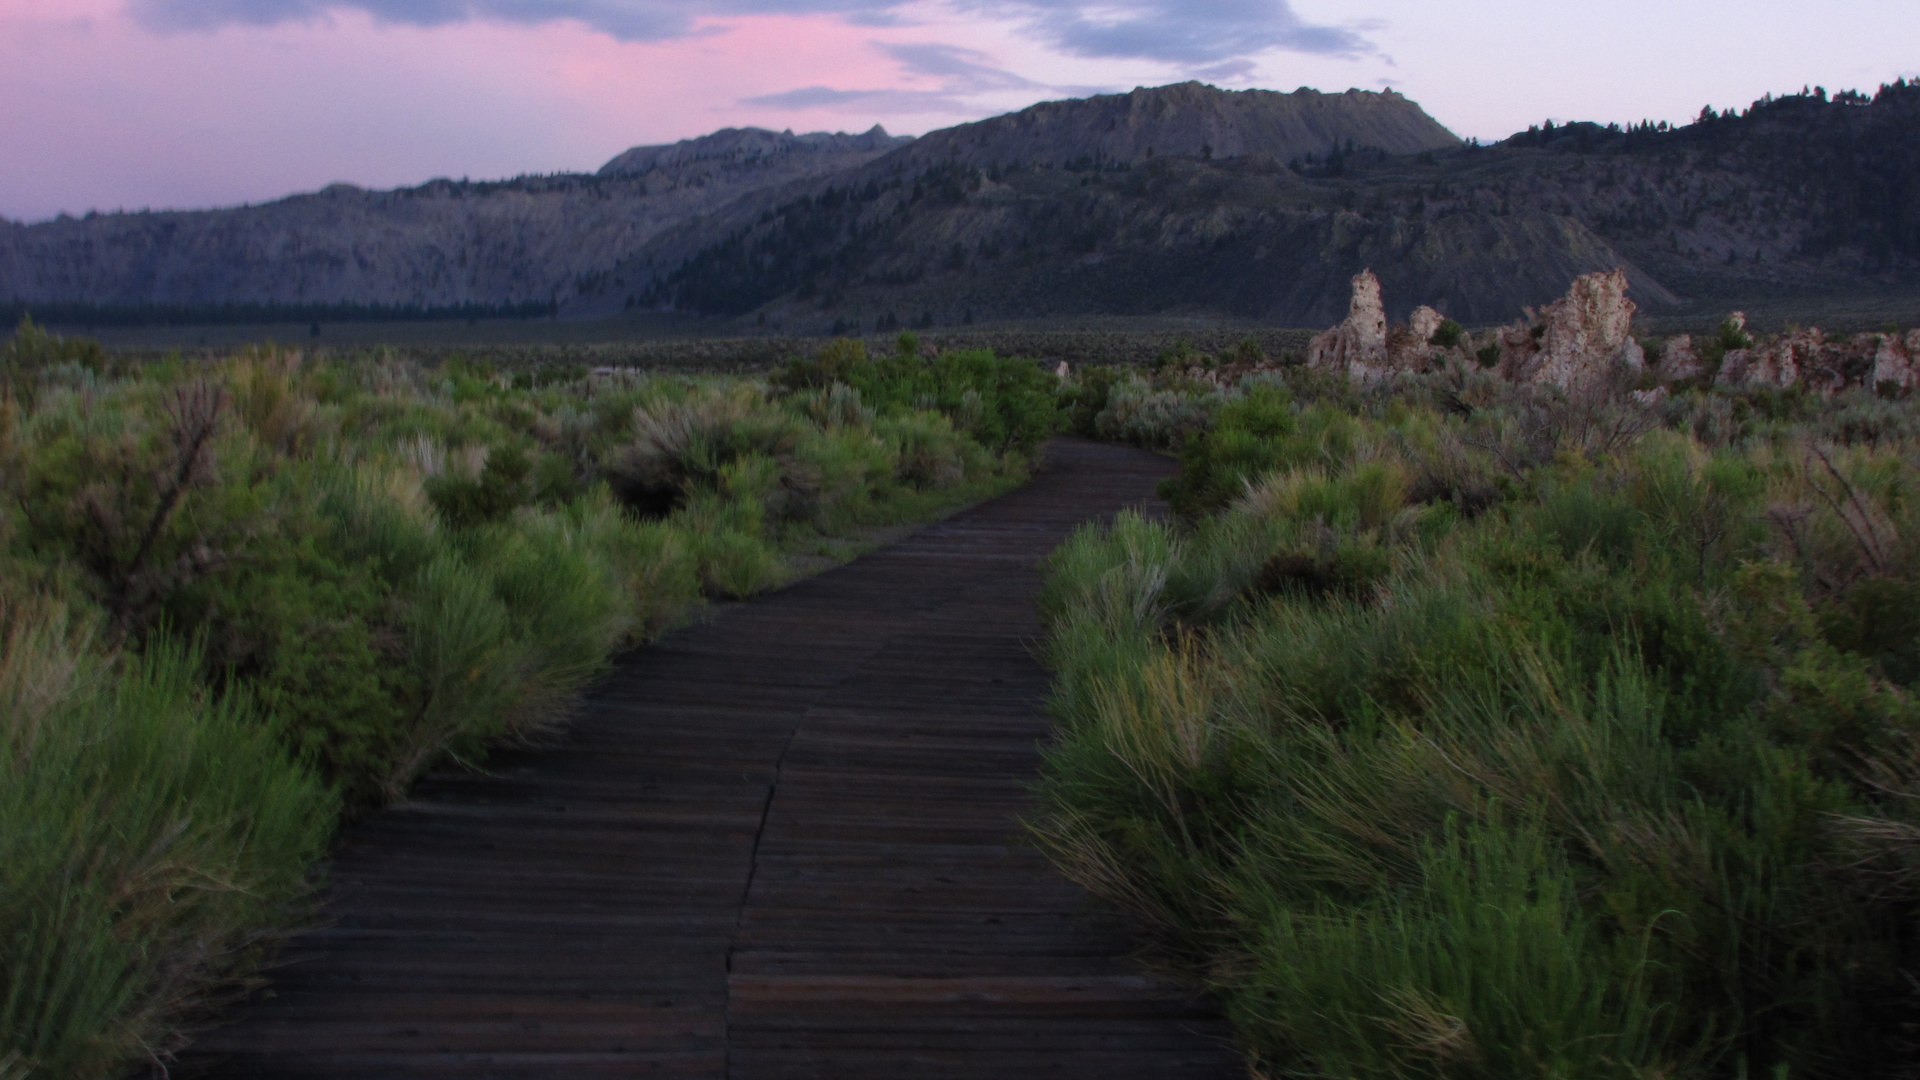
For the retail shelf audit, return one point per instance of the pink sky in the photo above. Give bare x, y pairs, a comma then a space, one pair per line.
103, 109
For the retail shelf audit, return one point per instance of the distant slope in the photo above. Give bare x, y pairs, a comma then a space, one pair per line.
1055, 181
443, 243
1244, 238
1801, 195
1180, 200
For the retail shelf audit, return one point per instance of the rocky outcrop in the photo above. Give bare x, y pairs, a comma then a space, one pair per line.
1895, 360
1585, 336
1357, 346
1518, 344
1583, 343
1424, 323
1777, 363
1679, 360
1369, 350
1821, 362
1411, 347
1576, 343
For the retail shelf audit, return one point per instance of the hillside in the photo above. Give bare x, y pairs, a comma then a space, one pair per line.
589, 241
1802, 196
440, 244
1183, 201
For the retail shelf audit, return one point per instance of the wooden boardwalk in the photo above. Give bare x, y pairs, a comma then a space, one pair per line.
780, 844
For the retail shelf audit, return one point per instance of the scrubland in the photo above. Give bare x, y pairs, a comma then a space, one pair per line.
245, 598
1452, 728
1462, 729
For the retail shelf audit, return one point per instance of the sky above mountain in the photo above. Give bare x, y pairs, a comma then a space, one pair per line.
111, 104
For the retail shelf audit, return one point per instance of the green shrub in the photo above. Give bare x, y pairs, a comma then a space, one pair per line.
1086, 398
1007, 404
1262, 431
681, 445
735, 564
381, 567
1612, 776
1164, 419
32, 353
932, 455
650, 569
500, 488
151, 838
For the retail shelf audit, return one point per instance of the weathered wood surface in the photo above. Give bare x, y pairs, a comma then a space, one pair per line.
780, 844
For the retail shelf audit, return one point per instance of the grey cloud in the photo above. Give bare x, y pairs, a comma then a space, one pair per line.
963, 74
962, 70
628, 20
1225, 71
1194, 34
1197, 34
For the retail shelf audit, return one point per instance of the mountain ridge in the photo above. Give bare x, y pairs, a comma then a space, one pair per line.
1800, 195
1183, 199
749, 144
442, 243
1189, 119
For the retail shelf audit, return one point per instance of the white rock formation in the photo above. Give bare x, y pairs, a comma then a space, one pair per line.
1425, 322
1411, 348
1894, 361
1678, 359
1779, 362
1357, 346
1583, 342
1589, 333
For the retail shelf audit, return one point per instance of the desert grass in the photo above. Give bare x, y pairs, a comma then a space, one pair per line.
243, 596
1440, 746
